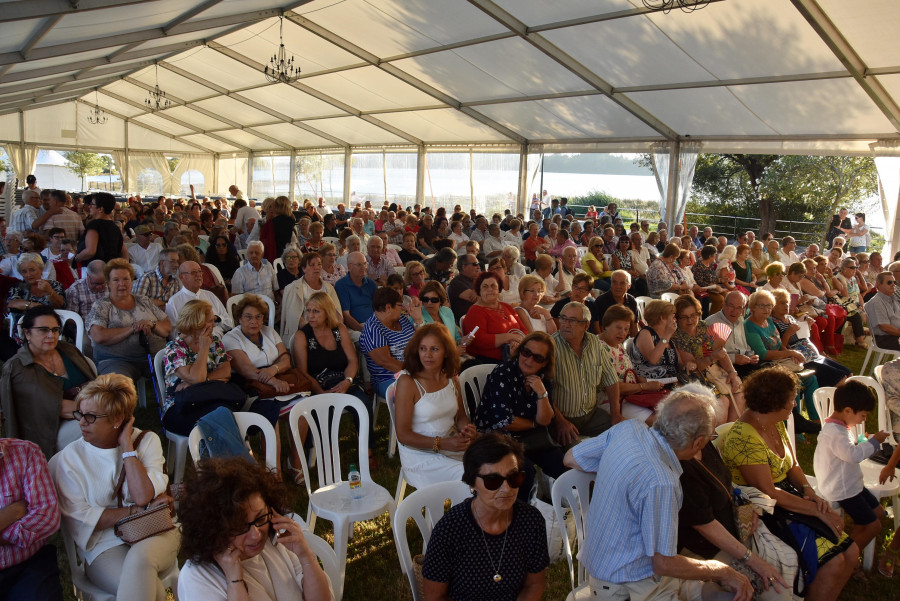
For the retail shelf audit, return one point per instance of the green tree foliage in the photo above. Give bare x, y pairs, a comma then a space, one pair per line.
173, 163
83, 164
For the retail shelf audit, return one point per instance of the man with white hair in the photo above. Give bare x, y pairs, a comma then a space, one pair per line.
742, 356
356, 224
23, 219
256, 276
379, 267
786, 255
631, 535
812, 251
82, 295
160, 284
191, 277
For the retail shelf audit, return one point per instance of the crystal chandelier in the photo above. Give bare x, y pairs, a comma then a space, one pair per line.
157, 100
281, 69
96, 116
666, 6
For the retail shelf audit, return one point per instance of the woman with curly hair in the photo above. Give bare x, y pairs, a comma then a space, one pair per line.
238, 542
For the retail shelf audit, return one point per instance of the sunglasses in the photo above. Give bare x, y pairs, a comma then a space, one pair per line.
528, 354
430, 299
495, 481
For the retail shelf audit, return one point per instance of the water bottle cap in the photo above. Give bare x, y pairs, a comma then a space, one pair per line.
353, 467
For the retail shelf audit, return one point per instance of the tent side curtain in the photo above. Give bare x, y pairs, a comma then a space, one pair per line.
23, 158
194, 162
138, 163
673, 204
887, 163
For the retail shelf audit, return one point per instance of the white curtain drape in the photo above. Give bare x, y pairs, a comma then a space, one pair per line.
195, 162
119, 158
138, 162
23, 158
887, 162
660, 155
672, 210
687, 162
29, 159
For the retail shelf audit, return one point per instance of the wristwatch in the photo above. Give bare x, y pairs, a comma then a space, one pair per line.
543, 396
129, 454
664, 340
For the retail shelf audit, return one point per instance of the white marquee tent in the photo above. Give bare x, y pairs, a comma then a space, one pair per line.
523, 77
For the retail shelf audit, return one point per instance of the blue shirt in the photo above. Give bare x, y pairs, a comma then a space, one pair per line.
376, 335
356, 299
636, 501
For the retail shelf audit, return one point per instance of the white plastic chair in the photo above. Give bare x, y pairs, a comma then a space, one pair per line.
217, 275
884, 418
245, 420
670, 297
400, 270
472, 382
572, 490
426, 507
332, 240
278, 264
242, 253
233, 300
401, 479
332, 500
83, 588
395, 247
67, 316
878, 358
176, 457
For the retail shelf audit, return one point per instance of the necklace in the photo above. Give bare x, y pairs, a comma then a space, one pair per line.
497, 576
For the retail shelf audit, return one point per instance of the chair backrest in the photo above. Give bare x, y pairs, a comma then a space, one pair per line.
233, 300
67, 316
278, 264
325, 435
160, 373
242, 253
400, 270
884, 419
823, 399
389, 397
472, 382
573, 490
332, 240
722, 431
670, 297
426, 507
244, 421
216, 273
878, 372
326, 555
395, 247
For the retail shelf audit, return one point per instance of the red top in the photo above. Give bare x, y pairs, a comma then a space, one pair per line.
490, 322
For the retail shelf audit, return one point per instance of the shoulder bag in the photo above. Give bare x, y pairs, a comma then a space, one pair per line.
146, 523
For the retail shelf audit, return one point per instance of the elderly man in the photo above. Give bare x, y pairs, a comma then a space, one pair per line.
787, 255
191, 277
609, 240
812, 251
256, 276
883, 312
732, 315
619, 283
355, 292
696, 240
707, 234
23, 219
379, 267
480, 231
81, 295
461, 290
493, 243
631, 533
357, 226
578, 379
161, 283
144, 253
570, 267
57, 215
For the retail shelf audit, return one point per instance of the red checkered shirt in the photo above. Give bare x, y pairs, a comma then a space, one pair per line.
24, 477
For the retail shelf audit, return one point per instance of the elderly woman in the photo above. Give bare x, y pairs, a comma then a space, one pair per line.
237, 540
694, 339
460, 560
653, 354
535, 317
303, 230
594, 263
850, 297
314, 242
725, 269
331, 270
554, 287
516, 401
40, 383
224, 258
704, 272
498, 323
706, 521
197, 373
85, 474
431, 422
117, 323
257, 351
291, 271
352, 243
774, 276
665, 276
759, 454
414, 278
34, 289
386, 334
297, 293
534, 244
814, 285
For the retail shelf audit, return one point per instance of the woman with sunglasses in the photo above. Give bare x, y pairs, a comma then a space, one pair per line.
490, 546
436, 309
39, 383
850, 297
516, 401
594, 263
414, 278
86, 474
238, 542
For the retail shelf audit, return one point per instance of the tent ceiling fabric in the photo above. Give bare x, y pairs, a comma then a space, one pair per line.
789, 76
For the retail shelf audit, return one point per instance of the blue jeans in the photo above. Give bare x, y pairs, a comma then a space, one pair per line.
856, 249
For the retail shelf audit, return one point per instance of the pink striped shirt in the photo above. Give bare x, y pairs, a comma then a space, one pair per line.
24, 477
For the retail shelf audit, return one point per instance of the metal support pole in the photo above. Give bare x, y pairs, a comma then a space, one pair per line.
292, 178
126, 168
348, 157
420, 176
672, 188
215, 183
471, 180
521, 200
384, 171
249, 176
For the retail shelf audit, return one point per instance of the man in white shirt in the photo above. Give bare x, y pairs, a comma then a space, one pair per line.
480, 233
640, 256
235, 191
191, 277
323, 209
245, 214
883, 312
732, 315
144, 253
256, 276
493, 242
23, 219
787, 255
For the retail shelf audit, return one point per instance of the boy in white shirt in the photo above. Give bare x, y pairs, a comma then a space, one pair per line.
837, 458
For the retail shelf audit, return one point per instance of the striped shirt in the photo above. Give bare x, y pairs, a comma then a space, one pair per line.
24, 477
376, 335
638, 505
578, 380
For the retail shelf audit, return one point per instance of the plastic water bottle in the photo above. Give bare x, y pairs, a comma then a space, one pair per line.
355, 480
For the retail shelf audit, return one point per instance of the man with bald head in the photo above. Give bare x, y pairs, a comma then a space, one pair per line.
355, 292
191, 277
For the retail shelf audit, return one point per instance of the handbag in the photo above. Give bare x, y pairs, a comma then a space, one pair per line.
648, 399
329, 378
224, 393
789, 364
146, 523
295, 378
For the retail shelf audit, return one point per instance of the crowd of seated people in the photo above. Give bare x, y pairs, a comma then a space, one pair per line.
584, 325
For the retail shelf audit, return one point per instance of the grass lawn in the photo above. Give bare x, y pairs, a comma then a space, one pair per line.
373, 569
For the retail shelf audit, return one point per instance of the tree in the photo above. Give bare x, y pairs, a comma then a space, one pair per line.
173, 163
83, 164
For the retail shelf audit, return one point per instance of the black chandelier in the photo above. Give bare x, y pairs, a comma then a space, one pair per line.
157, 100
666, 6
96, 116
281, 69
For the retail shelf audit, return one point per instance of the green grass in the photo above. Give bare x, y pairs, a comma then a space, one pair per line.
373, 568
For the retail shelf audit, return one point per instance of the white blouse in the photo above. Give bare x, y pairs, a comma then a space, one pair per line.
259, 357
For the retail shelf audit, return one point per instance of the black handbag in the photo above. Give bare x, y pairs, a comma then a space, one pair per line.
329, 378
223, 393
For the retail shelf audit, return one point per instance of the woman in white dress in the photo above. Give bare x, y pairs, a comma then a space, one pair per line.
432, 426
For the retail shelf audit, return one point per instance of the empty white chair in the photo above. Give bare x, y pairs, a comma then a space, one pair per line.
332, 500
245, 421
472, 382
176, 457
426, 507
233, 300
572, 490
878, 358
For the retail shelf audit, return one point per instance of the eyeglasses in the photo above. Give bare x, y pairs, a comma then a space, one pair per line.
495, 481
764, 306
430, 299
891, 283
529, 354
248, 317
88, 417
692, 316
42, 331
564, 319
712, 436
581, 288
260, 522
535, 291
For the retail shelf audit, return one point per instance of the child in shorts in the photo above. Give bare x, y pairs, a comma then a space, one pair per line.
837, 458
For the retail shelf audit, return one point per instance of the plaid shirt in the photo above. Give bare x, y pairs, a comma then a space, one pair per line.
80, 297
24, 477
67, 220
153, 286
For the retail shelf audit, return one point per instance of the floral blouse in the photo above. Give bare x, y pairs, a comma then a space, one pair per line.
705, 275
505, 397
23, 292
332, 278
699, 345
660, 278
179, 354
621, 364
624, 259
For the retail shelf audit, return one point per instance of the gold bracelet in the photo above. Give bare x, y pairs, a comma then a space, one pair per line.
436, 447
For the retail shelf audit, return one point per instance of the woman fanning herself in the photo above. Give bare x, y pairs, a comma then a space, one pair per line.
431, 423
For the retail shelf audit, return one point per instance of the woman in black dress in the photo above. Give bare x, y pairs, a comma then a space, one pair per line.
102, 237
